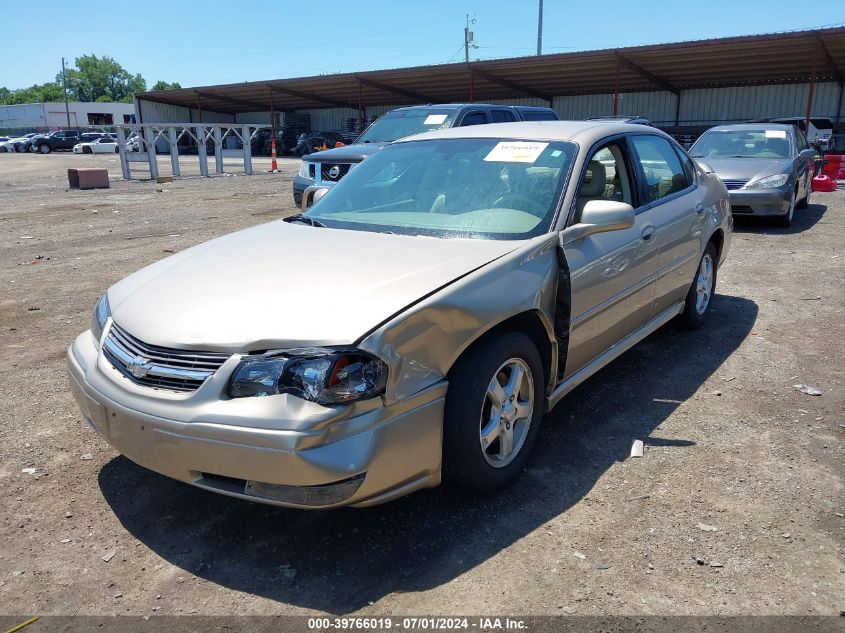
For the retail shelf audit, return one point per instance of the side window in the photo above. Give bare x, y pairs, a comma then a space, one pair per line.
689, 167
661, 168
801, 141
474, 118
607, 178
502, 116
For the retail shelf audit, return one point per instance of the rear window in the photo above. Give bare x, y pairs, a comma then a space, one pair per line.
538, 115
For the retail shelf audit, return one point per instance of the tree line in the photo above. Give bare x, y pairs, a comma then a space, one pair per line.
91, 78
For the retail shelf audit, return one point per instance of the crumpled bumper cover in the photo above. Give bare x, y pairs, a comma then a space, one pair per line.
365, 459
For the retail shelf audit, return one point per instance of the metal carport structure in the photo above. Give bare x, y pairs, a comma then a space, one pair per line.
810, 56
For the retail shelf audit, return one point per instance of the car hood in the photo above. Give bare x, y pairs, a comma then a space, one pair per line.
286, 285
346, 154
728, 168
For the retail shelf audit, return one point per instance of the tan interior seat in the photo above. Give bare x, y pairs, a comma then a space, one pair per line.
594, 185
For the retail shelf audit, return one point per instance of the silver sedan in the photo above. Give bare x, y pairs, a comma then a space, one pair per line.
415, 325
767, 167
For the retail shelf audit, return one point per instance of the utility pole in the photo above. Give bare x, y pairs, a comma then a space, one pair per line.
540, 30
64, 86
468, 37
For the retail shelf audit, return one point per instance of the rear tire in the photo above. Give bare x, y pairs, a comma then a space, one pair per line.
494, 407
700, 295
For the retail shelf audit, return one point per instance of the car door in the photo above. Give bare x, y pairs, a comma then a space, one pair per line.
612, 273
674, 212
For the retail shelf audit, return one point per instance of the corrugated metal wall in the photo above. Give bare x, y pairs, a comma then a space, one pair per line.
698, 107
751, 102
154, 112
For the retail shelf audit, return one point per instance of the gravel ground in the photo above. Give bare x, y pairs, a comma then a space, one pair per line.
735, 508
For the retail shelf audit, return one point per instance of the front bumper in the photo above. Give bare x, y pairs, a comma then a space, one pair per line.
763, 202
278, 450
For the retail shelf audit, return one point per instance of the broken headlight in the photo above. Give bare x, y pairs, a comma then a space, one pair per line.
101, 314
325, 376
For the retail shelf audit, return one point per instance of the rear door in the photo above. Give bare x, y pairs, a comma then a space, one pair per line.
674, 214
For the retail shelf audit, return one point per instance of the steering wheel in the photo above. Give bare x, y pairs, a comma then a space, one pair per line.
515, 201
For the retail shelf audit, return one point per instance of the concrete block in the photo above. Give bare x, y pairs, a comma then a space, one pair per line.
91, 178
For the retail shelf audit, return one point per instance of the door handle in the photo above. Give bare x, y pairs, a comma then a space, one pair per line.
699, 209
647, 234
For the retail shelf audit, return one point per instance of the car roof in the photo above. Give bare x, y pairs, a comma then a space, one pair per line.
458, 106
587, 132
752, 127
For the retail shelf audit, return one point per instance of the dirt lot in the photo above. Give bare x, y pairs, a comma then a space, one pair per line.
736, 507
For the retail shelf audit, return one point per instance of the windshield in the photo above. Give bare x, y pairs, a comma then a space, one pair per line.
475, 188
743, 144
401, 123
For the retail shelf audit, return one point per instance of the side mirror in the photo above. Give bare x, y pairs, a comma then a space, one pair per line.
312, 195
808, 154
599, 216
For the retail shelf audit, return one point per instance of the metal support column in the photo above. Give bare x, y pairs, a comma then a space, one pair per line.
218, 150
839, 103
203, 155
360, 109
810, 95
678, 108
247, 150
173, 139
615, 105
149, 137
124, 160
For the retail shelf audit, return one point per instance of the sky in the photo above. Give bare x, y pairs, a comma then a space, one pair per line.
213, 41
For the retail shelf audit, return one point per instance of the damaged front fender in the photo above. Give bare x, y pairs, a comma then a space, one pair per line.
421, 344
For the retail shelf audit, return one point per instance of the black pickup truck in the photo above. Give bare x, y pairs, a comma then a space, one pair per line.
63, 139
326, 168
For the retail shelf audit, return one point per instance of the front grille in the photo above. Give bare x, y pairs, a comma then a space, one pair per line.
159, 367
735, 184
330, 174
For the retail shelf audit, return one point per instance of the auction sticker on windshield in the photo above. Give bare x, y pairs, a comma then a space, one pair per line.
434, 119
775, 133
510, 152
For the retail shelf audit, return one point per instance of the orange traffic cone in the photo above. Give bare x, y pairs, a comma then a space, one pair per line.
274, 167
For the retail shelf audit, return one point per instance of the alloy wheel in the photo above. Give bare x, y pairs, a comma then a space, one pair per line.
704, 283
507, 412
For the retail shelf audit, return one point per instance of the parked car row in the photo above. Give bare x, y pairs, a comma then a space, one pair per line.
72, 140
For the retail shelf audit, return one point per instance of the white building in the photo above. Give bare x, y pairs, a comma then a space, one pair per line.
43, 116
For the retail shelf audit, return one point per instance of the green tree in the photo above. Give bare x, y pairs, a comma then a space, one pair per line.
163, 85
95, 77
36, 93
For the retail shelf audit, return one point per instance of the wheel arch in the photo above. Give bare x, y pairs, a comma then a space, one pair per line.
533, 324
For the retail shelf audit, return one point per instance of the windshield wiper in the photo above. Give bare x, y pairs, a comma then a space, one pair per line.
301, 217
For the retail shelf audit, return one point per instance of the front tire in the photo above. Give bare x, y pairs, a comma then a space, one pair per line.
44, 149
494, 407
805, 201
700, 295
785, 221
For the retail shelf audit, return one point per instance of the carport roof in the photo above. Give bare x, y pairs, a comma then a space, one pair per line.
775, 58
